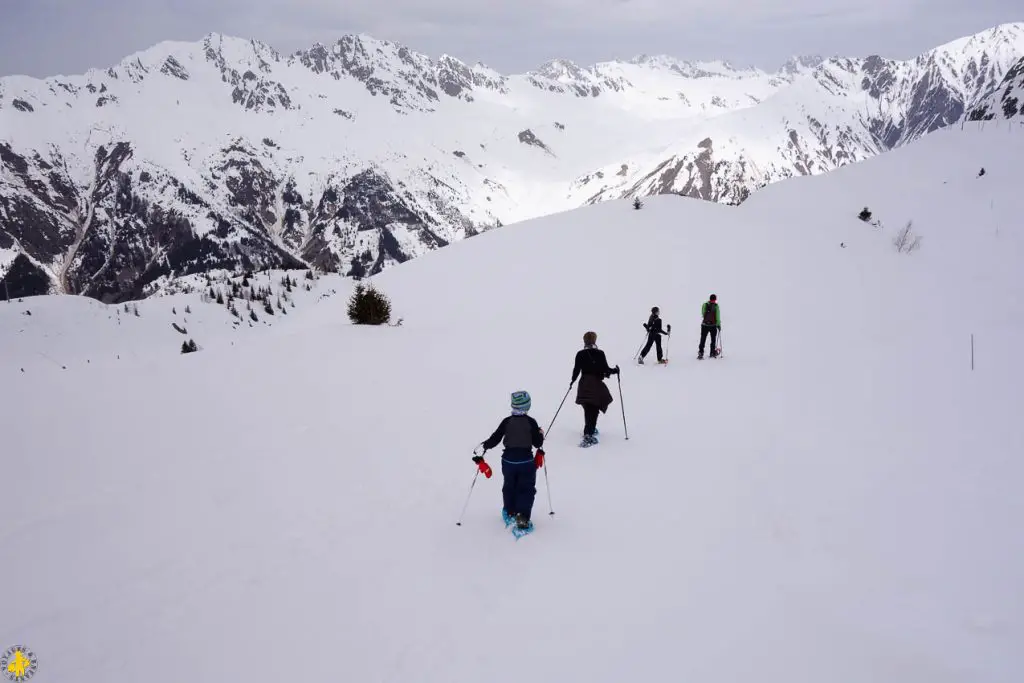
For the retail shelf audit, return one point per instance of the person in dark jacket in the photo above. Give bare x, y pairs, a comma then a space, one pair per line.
711, 323
654, 332
520, 434
592, 369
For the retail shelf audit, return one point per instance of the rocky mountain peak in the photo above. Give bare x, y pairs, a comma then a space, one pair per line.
564, 70
799, 64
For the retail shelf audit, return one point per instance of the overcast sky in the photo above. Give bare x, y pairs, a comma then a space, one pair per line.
48, 37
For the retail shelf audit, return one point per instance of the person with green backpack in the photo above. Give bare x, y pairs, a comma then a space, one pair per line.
711, 323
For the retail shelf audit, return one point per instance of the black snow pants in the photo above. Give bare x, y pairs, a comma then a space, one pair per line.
704, 330
520, 487
590, 414
652, 340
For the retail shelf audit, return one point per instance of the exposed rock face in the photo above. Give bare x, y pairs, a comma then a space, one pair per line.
1006, 100
527, 137
111, 239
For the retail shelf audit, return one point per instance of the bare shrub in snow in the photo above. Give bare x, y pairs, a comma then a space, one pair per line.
906, 241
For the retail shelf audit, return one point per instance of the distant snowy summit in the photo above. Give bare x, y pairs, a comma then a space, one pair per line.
356, 156
834, 112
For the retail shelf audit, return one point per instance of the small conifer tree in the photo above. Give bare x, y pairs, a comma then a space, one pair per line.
369, 306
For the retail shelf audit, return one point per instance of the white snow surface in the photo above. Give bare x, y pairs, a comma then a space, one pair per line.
837, 499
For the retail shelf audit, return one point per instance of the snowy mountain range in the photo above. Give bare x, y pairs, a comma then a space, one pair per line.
353, 157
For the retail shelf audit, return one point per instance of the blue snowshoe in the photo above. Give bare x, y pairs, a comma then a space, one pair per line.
521, 527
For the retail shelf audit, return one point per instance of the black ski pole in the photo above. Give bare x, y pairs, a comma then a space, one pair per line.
640, 348
547, 485
559, 408
459, 523
623, 405
547, 482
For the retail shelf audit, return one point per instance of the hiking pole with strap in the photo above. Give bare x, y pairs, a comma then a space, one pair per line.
640, 348
559, 408
481, 466
623, 406
547, 482
459, 523
719, 342
547, 485
669, 335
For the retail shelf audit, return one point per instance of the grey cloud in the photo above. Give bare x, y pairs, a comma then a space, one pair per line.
44, 37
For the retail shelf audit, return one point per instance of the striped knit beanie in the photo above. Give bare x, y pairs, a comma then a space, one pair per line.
520, 402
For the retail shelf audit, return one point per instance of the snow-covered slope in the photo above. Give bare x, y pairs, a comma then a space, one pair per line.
216, 311
837, 499
356, 156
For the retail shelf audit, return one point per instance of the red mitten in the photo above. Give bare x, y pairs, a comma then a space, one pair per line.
539, 458
482, 465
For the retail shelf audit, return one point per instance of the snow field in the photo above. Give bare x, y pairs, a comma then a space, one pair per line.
833, 500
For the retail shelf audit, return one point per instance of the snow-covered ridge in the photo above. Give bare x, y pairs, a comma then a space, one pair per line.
842, 110
356, 156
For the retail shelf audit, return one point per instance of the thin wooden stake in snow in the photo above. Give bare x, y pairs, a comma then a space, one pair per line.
972, 352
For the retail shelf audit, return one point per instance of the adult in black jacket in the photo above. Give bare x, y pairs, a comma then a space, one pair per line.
592, 393
654, 332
